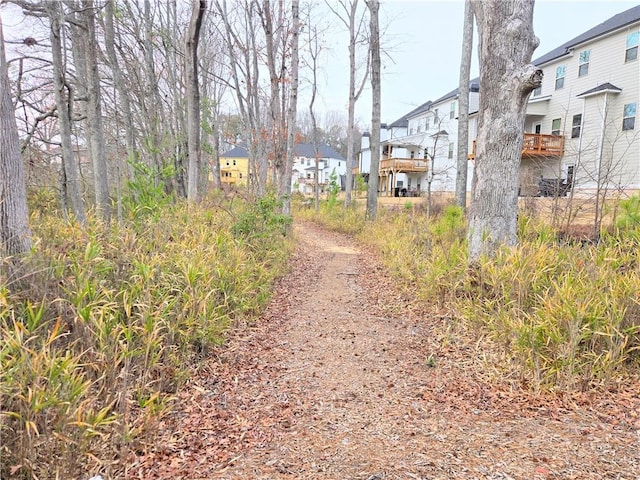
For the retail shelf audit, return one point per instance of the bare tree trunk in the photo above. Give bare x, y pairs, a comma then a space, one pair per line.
463, 107
285, 189
193, 97
118, 80
15, 235
374, 46
507, 43
94, 116
71, 186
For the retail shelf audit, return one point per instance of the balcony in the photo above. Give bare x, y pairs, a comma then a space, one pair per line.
536, 145
403, 165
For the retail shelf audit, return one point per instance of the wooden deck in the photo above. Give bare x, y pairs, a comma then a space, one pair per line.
403, 165
536, 145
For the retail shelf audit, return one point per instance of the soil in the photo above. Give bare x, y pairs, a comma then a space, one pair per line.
343, 378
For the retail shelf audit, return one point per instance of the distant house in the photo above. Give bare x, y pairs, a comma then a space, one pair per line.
234, 166
304, 167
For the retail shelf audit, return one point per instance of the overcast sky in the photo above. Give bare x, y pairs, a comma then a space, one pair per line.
426, 39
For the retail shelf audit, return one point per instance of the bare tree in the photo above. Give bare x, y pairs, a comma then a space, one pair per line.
285, 187
374, 46
15, 235
94, 111
64, 106
507, 78
463, 107
355, 23
193, 97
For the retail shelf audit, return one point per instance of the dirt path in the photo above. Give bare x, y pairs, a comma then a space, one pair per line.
339, 380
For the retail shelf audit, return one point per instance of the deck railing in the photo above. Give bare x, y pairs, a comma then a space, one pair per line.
536, 145
403, 165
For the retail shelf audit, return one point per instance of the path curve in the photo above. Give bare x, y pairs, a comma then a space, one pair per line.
339, 380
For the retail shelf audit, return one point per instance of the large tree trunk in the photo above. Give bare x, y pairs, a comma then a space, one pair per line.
463, 107
507, 78
193, 97
64, 101
372, 194
94, 115
285, 188
15, 236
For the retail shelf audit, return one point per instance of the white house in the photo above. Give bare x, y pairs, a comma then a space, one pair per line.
304, 167
581, 128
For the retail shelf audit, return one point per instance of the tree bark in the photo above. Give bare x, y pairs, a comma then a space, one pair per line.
64, 103
285, 189
507, 78
463, 107
374, 46
15, 235
94, 116
193, 97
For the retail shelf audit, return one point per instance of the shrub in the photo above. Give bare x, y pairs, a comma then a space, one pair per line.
99, 326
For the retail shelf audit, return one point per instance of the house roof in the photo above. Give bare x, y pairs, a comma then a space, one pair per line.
403, 121
236, 152
602, 88
307, 150
301, 150
474, 86
614, 23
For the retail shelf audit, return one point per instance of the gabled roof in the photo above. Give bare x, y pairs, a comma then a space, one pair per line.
614, 23
236, 152
602, 88
307, 150
403, 121
301, 150
474, 86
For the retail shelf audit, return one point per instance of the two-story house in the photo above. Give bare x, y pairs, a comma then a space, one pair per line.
580, 124
330, 162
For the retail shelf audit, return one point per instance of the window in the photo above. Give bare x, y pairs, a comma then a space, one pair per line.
413, 154
419, 128
555, 126
538, 91
451, 146
560, 73
234, 163
427, 125
240, 174
435, 116
338, 163
576, 125
629, 116
631, 53
227, 163
452, 112
583, 69
425, 154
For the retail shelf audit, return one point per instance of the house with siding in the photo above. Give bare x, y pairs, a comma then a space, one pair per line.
580, 124
304, 174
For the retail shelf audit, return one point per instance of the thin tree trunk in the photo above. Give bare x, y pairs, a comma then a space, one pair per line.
193, 97
94, 116
372, 194
285, 189
71, 174
507, 43
15, 235
463, 107
118, 80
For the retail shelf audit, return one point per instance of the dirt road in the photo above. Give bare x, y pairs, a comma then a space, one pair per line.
341, 380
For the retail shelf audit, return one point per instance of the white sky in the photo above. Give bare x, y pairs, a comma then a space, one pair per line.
427, 39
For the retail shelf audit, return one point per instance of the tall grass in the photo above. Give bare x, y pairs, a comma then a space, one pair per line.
567, 314
98, 325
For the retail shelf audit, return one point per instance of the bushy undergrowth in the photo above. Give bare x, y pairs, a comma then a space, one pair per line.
99, 324
566, 313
